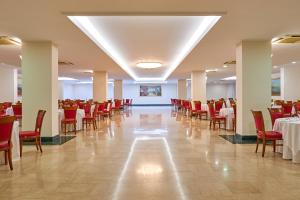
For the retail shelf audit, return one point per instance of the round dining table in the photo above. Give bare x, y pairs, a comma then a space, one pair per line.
79, 115
228, 113
290, 129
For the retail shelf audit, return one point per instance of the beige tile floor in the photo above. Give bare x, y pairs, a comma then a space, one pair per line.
150, 153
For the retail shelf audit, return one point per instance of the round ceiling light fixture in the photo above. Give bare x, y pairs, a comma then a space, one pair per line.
148, 65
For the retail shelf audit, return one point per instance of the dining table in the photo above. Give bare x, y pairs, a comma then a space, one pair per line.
79, 115
228, 113
15, 144
290, 129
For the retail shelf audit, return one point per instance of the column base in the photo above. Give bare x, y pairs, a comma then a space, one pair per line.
55, 140
240, 139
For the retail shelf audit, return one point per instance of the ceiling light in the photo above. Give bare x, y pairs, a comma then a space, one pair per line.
149, 65
86, 25
84, 82
150, 82
211, 70
6, 40
229, 78
89, 71
294, 62
275, 67
20, 56
66, 79
225, 66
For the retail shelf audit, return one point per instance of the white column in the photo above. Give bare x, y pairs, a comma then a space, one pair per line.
253, 84
61, 90
40, 85
198, 86
181, 89
118, 89
100, 89
8, 83
290, 82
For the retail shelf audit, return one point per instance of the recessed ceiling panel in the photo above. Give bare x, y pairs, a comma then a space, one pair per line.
130, 40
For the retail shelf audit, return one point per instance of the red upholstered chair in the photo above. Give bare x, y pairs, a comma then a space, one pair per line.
275, 113
17, 111
70, 118
234, 117
91, 119
218, 106
36, 134
87, 108
262, 134
215, 118
297, 108
2, 110
101, 108
200, 112
118, 104
287, 109
6, 127
107, 112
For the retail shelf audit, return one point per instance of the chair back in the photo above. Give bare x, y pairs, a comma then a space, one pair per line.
101, 106
6, 127
17, 109
70, 112
197, 105
275, 113
218, 105
211, 109
96, 109
234, 110
39, 121
87, 108
118, 104
259, 121
287, 108
297, 107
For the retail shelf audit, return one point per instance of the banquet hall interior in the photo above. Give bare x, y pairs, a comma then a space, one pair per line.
161, 99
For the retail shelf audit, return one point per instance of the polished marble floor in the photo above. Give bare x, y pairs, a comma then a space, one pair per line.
150, 153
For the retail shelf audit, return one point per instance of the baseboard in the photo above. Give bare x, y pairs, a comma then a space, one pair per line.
55, 140
240, 139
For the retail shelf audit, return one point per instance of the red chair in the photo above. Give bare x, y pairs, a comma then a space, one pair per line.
297, 108
87, 108
107, 112
287, 109
234, 117
218, 106
6, 127
36, 134
2, 110
118, 104
70, 118
17, 111
91, 119
215, 118
264, 135
101, 108
275, 113
199, 110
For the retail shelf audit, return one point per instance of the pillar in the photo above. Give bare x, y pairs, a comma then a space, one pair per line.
100, 88
8, 83
181, 89
118, 89
40, 85
290, 81
198, 86
253, 84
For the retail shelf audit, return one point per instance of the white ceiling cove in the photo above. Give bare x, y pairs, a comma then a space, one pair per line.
129, 40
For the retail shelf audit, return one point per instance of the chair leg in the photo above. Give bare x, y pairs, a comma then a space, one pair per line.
40, 145
10, 159
5, 157
21, 147
274, 145
257, 143
264, 147
36, 144
75, 128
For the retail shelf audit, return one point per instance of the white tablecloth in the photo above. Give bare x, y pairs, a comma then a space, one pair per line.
10, 111
15, 142
80, 114
290, 129
229, 114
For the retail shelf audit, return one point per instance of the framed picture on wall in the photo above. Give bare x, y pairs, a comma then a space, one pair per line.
150, 91
276, 90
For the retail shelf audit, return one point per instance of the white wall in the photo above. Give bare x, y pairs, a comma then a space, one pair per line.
217, 91
8, 84
132, 91
290, 81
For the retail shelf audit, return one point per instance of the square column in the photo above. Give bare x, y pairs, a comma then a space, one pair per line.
8, 83
40, 85
100, 88
253, 84
198, 86
118, 89
181, 89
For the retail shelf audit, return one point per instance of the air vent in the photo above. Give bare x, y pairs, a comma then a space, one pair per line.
65, 63
5, 40
232, 62
288, 39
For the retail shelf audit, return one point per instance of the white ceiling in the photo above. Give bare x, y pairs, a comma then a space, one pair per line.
33, 20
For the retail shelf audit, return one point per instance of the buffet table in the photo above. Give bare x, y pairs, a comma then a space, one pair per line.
80, 114
290, 129
15, 144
